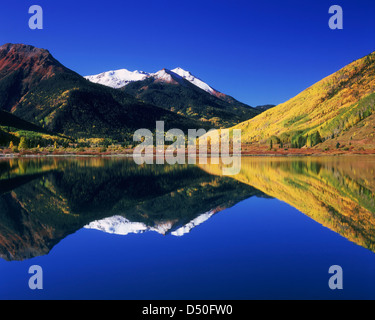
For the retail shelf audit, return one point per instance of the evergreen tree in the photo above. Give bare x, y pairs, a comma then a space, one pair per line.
23, 144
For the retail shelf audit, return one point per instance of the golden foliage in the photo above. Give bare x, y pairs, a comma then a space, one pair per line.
339, 193
316, 107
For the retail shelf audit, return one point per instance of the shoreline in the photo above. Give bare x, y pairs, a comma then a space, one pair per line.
130, 155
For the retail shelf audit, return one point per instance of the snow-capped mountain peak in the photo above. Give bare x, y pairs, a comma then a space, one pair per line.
122, 77
194, 80
166, 75
118, 78
184, 74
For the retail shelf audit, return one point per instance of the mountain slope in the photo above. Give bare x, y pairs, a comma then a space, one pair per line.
179, 91
204, 86
37, 88
122, 77
13, 128
173, 92
265, 107
76, 107
194, 80
9, 120
23, 67
322, 113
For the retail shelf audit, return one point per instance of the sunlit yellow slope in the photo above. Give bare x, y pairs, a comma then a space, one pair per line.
331, 106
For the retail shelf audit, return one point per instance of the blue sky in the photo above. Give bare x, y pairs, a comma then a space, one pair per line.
257, 51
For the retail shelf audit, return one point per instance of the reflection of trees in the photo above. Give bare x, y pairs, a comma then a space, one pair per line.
339, 193
60, 196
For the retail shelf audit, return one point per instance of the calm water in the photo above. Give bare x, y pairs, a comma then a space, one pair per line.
109, 229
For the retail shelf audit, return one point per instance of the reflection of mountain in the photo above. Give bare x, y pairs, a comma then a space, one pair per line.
60, 196
44, 200
339, 193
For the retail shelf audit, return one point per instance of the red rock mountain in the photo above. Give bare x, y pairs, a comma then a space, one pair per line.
22, 67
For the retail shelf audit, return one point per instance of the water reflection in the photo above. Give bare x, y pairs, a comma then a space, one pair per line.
337, 192
44, 200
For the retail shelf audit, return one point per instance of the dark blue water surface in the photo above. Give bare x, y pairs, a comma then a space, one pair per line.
259, 248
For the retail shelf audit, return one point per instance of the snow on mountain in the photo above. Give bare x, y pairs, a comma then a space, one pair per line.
194, 80
117, 225
118, 78
122, 226
166, 75
193, 223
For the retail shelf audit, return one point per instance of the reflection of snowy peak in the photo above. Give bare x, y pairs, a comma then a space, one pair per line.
122, 226
117, 225
193, 223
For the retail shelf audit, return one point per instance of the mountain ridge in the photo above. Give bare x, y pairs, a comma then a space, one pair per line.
122, 77
162, 89
37, 88
171, 91
322, 113
23, 67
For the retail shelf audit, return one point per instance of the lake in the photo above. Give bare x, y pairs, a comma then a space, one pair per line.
106, 228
